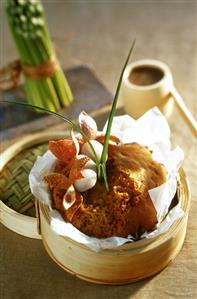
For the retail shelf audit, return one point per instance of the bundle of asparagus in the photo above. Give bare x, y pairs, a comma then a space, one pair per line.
45, 83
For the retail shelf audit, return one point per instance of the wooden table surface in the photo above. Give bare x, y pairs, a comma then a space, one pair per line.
99, 33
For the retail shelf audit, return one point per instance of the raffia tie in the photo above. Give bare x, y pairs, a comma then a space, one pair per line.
41, 71
10, 74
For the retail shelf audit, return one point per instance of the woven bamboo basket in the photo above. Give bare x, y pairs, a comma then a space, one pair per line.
127, 263
15, 164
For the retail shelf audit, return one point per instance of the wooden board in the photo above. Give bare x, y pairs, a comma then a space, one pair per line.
89, 94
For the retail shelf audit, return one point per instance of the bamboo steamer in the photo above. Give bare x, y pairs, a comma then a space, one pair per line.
17, 222
127, 263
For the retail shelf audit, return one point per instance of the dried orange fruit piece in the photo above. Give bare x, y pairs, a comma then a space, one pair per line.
64, 149
112, 140
58, 194
69, 197
61, 167
69, 213
57, 180
78, 165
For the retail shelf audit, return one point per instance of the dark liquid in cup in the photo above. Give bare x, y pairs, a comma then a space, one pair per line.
145, 75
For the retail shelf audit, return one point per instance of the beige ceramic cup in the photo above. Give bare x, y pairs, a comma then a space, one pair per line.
138, 96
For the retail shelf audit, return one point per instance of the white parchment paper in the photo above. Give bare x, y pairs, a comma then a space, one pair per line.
150, 130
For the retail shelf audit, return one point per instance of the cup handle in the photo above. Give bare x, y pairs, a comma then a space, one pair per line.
189, 118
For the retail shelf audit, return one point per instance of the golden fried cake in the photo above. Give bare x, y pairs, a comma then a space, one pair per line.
126, 209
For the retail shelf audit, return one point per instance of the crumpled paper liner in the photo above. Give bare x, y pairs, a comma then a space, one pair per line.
150, 130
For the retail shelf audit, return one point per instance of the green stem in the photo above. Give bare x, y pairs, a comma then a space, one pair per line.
32, 92
113, 110
50, 92
20, 46
104, 156
62, 88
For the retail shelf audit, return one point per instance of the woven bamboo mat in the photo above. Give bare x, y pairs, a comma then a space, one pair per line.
14, 184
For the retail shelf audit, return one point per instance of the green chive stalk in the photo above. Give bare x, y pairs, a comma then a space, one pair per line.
30, 32
102, 171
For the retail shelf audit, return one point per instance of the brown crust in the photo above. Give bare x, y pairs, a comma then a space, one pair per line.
127, 208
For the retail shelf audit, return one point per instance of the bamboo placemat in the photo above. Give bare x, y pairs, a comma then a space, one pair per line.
14, 183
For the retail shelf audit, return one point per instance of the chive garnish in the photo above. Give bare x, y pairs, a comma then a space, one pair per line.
103, 173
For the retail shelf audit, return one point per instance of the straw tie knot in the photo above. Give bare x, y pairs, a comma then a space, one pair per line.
42, 71
10, 74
